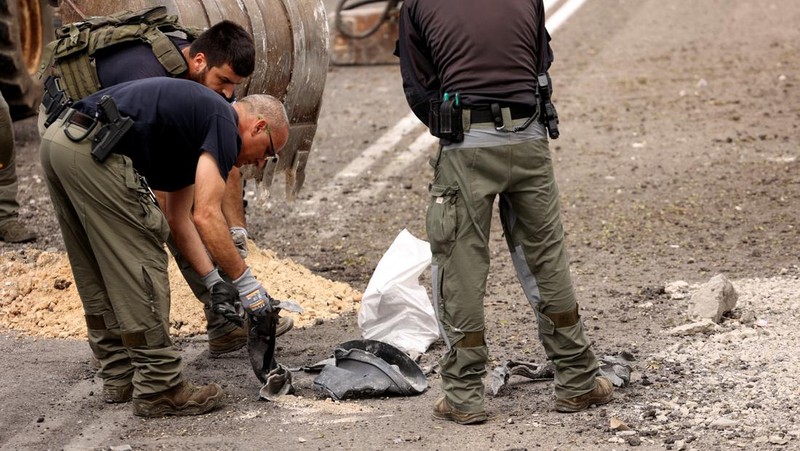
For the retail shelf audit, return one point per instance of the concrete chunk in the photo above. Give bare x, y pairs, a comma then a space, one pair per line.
713, 299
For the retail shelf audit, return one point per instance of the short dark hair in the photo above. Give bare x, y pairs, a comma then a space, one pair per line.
227, 42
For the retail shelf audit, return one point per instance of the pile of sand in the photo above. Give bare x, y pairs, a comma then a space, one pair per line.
38, 295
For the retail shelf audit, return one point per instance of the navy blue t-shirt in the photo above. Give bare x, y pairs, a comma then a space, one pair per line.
131, 61
175, 120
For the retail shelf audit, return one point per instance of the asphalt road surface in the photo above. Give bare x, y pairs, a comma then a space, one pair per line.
677, 161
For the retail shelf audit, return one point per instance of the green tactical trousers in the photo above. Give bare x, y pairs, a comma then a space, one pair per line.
9, 207
114, 235
466, 182
216, 324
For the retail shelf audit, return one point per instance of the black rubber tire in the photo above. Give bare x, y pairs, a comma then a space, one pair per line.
26, 26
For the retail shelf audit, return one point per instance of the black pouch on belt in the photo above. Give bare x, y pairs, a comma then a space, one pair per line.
433, 118
54, 100
444, 120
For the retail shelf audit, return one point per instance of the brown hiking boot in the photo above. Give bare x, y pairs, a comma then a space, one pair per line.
285, 324
232, 341
237, 338
442, 410
602, 393
182, 399
114, 394
13, 232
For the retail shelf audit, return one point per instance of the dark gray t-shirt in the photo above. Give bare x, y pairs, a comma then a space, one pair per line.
488, 51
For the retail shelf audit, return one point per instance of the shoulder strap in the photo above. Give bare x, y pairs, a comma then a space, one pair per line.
165, 51
71, 53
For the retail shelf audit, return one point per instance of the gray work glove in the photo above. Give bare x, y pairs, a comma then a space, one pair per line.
253, 296
240, 236
224, 298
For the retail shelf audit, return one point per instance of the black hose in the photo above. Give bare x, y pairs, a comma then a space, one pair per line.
391, 5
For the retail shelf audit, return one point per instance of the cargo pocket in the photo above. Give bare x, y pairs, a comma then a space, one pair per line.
147, 212
442, 219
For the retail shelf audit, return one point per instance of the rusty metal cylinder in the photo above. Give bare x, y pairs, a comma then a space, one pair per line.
292, 52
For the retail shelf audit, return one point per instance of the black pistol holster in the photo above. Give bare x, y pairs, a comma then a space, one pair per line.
445, 120
114, 128
547, 111
54, 100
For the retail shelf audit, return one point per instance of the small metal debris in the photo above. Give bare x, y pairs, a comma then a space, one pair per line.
534, 371
617, 369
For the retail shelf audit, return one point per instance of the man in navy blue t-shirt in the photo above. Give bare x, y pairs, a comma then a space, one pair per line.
184, 141
219, 58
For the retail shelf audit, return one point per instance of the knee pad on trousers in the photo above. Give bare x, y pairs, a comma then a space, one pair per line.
104, 334
104, 321
562, 334
550, 321
471, 340
153, 338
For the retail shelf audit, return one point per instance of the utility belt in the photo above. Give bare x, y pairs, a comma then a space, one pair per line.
494, 114
105, 129
446, 117
75, 117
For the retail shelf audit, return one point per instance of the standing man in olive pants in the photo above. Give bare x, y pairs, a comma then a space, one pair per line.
11, 231
471, 71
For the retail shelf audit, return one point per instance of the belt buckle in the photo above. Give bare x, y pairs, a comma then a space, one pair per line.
497, 117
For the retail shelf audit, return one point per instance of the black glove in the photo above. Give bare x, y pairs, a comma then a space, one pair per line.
225, 302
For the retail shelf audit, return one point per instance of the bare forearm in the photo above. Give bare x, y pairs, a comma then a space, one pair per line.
177, 206
232, 202
216, 237
190, 245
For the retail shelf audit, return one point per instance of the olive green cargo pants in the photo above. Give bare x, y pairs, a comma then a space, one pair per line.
466, 183
114, 235
216, 324
9, 207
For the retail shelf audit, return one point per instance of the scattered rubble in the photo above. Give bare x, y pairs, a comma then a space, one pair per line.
736, 380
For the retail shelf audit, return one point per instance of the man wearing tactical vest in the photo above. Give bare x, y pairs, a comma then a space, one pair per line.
219, 58
99, 159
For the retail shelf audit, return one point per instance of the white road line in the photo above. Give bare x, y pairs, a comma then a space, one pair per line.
25, 438
406, 158
562, 14
371, 154
380, 147
399, 164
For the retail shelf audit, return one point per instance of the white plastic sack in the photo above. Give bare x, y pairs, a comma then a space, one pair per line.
395, 308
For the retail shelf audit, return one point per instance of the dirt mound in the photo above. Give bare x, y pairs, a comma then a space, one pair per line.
38, 295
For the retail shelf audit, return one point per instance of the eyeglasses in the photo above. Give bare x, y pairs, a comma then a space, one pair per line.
270, 152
